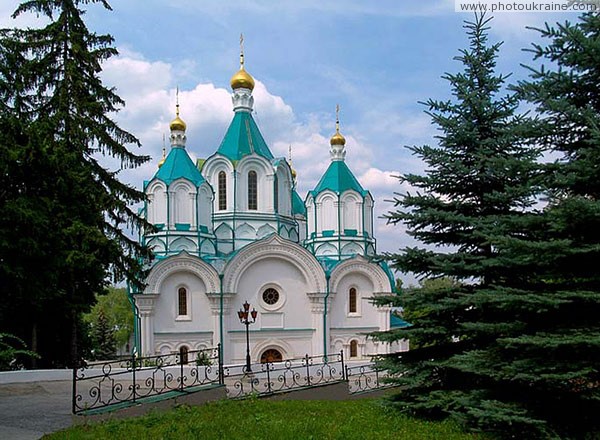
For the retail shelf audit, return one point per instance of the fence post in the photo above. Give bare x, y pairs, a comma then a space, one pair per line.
133, 366
180, 371
74, 396
221, 369
307, 370
268, 376
344, 371
376, 377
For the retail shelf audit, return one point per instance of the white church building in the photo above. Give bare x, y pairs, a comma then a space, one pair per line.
232, 228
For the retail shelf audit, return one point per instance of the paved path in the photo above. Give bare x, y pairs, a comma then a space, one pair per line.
30, 410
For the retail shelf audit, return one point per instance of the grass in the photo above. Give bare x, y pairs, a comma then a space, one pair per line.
270, 420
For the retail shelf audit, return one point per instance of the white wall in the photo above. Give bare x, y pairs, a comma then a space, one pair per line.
198, 306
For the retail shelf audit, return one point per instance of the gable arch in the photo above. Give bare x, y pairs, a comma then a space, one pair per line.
178, 263
376, 274
275, 246
214, 164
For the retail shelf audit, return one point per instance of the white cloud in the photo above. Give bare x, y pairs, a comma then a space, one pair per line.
388, 8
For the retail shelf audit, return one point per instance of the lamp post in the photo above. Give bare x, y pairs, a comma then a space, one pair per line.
244, 314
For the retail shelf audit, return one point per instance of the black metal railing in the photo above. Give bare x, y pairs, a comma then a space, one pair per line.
102, 384
275, 377
367, 377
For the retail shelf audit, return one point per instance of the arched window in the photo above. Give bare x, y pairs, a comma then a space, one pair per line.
271, 355
183, 354
353, 348
252, 191
352, 301
222, 191
182, 306
276, 193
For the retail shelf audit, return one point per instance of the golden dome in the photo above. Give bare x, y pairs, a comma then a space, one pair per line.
294, 174
242, 79
161, 162
337, 138
177, 124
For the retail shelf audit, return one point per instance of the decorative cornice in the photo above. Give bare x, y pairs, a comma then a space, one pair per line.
145, 302
215, 301
317, 301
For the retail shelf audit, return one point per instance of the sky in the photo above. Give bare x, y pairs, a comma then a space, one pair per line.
376, 59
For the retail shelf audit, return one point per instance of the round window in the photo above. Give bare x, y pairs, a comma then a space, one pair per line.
270, 296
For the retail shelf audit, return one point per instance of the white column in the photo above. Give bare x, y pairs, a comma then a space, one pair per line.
266, 202
193, 210
171, 212
145, 304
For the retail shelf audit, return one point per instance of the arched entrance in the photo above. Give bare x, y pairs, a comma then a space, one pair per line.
271, 355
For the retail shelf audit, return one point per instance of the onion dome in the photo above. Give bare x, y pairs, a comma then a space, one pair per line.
164, 156
337, 138
178, 124
242, 79
294, 174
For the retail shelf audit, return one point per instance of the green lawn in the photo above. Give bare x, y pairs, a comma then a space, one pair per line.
267, 420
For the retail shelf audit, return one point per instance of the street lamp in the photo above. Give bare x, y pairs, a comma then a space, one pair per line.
244, 314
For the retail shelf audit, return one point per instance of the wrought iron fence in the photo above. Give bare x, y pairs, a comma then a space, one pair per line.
275, 377
102, 384
366, 377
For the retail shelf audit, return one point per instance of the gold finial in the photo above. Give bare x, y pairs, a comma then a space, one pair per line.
290, 162
164, 156
241, 51
337, 138
242, 79
177, 123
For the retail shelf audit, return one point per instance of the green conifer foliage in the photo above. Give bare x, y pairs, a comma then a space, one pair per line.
470, 209
563, 354
104, 338
66, 209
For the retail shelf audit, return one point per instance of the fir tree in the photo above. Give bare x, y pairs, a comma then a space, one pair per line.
60, 111
470, 208
562, 356
104, 338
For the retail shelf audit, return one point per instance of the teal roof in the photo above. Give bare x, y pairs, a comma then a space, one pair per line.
338, 178
298, 206
397, 322
178, 165
243, 138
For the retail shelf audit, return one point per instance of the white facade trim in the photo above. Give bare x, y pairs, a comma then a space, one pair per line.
186, 263
275, 246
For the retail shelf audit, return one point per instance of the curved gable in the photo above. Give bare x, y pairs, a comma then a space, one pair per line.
182, 263
376, 274
274, 246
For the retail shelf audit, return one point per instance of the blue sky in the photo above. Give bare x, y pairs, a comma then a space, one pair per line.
375, 59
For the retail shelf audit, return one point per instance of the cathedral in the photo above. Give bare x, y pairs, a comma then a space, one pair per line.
231, 229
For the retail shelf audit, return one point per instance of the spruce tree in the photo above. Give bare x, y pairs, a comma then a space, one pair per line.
63, 113
474, 202
105, 346
563, 355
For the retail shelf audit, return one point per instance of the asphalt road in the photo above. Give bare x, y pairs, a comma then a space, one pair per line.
30, 410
